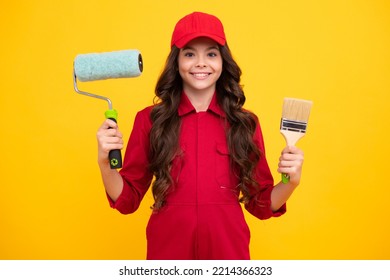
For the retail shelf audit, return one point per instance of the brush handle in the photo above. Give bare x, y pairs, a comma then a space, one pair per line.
115, 156
285, 178
291, 138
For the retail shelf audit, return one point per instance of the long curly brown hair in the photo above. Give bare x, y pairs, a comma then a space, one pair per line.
164, 135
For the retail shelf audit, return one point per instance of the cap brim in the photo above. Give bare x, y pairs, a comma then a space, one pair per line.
182, 42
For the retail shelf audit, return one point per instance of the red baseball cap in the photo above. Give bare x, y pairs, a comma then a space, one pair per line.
197, 25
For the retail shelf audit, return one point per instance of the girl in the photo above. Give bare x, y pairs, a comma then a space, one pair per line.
204, 150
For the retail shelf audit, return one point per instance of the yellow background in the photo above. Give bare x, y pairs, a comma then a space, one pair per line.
334, 52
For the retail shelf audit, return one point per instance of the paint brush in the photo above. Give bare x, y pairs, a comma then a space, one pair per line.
293, 124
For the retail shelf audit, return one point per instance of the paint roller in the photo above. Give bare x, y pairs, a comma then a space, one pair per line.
102, 66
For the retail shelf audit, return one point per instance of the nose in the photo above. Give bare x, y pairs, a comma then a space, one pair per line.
201, 62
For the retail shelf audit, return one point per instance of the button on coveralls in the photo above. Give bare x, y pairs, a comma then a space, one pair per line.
202, 218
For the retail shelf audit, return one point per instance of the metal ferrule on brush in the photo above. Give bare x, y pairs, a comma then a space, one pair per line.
296, 126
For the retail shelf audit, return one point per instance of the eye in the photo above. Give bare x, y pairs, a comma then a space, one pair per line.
189, 54
212, 54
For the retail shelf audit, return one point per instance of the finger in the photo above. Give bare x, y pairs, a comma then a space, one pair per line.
111, 139
105, 130
109, 136
288, 160
286, 170
291, 157
290, 169
112, 143
108, 123
288, 164
108, 146
112, 132
292, 150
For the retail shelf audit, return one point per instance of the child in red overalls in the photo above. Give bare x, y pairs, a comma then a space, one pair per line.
204, 150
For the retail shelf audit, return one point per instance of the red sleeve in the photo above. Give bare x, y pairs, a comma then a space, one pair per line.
135, 172
260, 204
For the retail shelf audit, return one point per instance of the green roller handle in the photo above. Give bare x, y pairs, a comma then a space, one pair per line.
114, 156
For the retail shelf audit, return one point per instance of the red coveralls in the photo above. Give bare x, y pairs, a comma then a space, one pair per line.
202, 218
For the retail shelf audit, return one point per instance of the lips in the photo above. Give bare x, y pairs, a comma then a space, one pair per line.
200, 75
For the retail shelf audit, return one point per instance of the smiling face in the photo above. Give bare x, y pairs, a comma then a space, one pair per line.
200, 66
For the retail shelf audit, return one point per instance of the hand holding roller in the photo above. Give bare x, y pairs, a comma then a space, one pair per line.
102, 66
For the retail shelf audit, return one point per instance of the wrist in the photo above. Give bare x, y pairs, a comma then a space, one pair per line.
103, 162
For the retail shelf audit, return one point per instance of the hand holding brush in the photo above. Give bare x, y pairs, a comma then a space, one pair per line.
290, 165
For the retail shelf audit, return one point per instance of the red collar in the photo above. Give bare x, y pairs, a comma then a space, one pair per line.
186, 107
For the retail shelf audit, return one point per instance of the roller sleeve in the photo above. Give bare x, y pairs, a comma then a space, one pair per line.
108, 65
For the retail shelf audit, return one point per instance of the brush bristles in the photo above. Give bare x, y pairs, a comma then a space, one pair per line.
296, 109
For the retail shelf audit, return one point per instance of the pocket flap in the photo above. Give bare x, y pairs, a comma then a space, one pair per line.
222, 149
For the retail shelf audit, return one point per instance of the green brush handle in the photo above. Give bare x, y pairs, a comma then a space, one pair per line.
285, 178
115, 156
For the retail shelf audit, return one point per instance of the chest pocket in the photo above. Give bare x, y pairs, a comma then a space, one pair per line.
223, 172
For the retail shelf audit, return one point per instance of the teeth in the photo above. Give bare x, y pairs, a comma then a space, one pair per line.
200, 75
